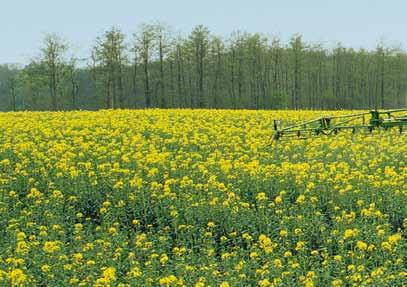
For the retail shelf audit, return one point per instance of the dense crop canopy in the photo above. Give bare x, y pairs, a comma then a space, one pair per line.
197, 198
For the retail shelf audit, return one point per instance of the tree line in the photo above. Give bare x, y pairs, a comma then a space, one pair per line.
157, 68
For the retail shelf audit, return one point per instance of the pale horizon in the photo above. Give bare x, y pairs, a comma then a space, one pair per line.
358, 25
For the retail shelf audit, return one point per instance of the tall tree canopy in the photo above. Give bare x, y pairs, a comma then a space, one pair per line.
158, 68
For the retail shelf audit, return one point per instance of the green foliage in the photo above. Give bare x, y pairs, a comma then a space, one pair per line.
158, 68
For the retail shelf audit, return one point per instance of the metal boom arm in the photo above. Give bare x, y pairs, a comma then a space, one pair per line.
333, 124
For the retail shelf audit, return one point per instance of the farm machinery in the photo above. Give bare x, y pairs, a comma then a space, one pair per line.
332, 125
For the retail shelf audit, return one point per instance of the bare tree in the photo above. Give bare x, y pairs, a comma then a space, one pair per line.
297, 49
110, 56
199, 39
12, 85
53, 53
72, 73
162, 35
144, 42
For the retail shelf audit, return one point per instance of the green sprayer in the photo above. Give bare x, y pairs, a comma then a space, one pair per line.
332, 125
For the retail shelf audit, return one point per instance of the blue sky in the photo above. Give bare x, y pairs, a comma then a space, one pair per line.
357, 23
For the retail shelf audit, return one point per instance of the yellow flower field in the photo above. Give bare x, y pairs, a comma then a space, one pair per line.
197, 198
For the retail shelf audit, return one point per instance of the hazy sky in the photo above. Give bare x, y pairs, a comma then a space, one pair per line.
355, 23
